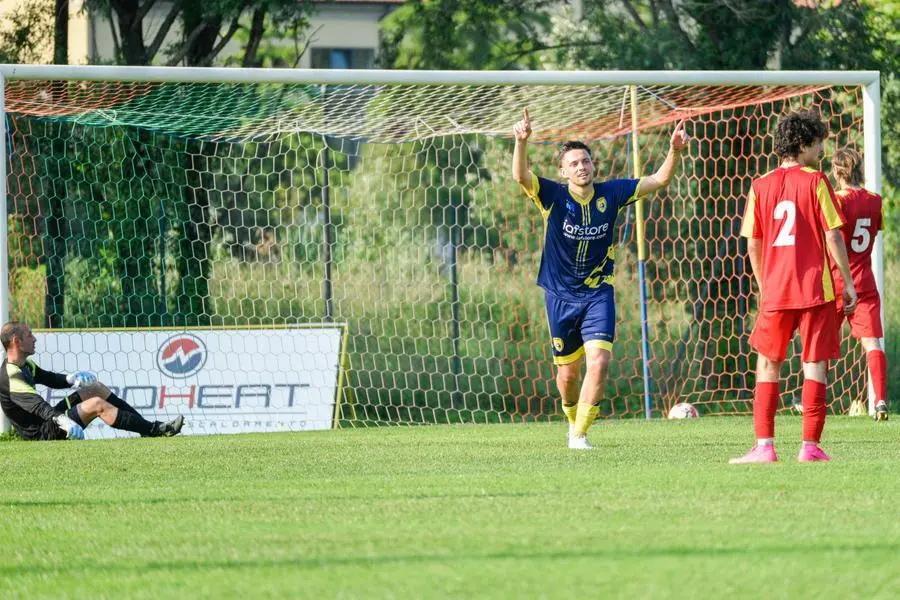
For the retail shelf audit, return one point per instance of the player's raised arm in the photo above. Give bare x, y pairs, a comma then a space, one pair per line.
664, 174
522, 131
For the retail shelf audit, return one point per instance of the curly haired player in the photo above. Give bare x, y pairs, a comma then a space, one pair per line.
793, 223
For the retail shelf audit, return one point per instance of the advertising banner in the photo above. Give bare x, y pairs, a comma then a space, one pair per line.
221, 380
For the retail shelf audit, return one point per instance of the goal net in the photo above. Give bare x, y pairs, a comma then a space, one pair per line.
242, 210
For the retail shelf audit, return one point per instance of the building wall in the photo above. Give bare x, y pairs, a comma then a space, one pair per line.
346, 27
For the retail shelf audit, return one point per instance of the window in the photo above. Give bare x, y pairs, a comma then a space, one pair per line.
342, 58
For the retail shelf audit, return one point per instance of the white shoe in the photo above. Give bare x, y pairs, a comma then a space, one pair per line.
579, 442
571, 431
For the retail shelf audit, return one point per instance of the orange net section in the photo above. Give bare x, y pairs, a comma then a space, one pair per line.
702, 303
658, 106
66, 99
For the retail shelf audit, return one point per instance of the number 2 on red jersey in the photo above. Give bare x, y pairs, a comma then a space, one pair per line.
786, 212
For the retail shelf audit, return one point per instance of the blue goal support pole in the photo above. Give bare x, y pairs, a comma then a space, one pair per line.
642, 254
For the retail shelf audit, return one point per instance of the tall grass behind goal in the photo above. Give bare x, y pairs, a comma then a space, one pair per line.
384, 201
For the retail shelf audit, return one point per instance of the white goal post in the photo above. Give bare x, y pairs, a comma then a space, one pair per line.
412, 375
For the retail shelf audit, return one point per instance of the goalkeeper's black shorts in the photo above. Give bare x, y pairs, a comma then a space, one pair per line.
50, 430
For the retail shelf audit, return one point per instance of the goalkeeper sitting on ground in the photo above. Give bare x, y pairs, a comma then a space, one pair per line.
34, 419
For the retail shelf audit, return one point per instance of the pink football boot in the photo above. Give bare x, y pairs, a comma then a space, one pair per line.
810, 453
757, 454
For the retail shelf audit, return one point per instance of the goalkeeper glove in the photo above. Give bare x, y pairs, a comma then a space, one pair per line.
81, 378
73, 430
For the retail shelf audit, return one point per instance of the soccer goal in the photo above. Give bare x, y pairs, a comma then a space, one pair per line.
206, 239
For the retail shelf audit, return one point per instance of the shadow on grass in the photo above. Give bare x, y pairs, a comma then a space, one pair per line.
284, 499
772, 551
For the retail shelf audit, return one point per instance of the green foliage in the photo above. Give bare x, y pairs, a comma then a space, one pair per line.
26, 33
665, 35
10, 435
717, 35
278, 34
467, 34
132, 217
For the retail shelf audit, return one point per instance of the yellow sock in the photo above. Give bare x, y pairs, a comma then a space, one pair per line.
570, 411
585, 418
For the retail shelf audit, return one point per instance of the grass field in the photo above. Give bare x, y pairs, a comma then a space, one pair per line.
502, 511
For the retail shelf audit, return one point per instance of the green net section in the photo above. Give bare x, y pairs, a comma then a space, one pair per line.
391, 209
377, 113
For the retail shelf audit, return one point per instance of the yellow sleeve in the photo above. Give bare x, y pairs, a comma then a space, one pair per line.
832, 215
17, 382
532, 191
637, 192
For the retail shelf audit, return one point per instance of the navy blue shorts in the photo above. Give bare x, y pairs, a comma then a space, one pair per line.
574, 325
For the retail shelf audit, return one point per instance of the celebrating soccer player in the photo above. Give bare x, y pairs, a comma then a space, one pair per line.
790, 219
862, 210
34, 419
576, 269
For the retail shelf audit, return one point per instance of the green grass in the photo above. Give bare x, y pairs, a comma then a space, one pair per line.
454, 511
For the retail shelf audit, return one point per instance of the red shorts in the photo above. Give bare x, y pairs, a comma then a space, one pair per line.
818, 333
865, 321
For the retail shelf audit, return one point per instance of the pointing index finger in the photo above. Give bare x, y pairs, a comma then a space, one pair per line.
527, 118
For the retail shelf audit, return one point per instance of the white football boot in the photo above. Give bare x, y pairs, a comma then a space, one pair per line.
579, 442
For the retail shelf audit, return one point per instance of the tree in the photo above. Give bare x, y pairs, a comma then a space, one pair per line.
720, 34
61, 32
464, 34
26, 31
143, 37
207, 27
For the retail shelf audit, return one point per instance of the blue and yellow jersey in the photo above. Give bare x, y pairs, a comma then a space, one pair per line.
579, 249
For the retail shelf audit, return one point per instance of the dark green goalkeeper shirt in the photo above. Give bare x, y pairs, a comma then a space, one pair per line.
24, 407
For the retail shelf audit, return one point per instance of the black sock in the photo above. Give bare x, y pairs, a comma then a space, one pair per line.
132, 421
121, 404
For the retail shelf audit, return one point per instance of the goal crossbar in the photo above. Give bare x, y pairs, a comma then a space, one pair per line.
386, 77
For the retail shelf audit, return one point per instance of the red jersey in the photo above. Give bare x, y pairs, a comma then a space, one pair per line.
790, 209
862, 210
